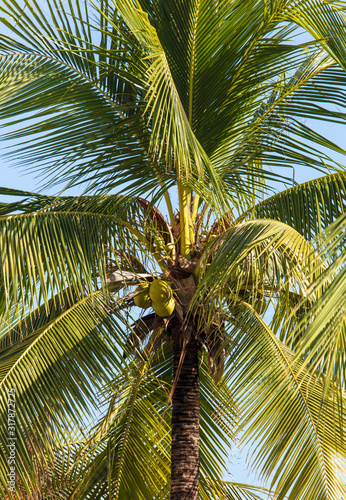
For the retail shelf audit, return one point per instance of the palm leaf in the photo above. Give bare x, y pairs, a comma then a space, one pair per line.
321, 331
235, 491
297, 444
68, 238
258, 240
80, 338
319, 18
308, 207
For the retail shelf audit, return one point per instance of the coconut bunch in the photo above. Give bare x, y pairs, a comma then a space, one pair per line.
158, 295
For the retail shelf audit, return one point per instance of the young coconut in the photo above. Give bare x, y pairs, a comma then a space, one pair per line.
164, 309
160, 291
142, 298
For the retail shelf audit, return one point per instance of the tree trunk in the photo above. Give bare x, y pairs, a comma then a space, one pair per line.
185, 424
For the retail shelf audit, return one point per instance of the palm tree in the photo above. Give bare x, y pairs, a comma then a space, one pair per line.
178, 117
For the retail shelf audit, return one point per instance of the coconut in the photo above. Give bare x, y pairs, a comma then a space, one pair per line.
160, 291
142, 298
164, 309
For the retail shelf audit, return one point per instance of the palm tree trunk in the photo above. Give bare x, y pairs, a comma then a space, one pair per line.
185, 424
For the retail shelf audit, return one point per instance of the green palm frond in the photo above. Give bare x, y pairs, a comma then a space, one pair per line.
72, 112
321, 330
125, 461
71, 236
263, 263
109, 91
275, 134
63, 117
317, 19
238, 491
126, 161
308, 207
274, 251
235, 491
29, 201
299, 443
121, 206
46, 238
72, 355
131, 452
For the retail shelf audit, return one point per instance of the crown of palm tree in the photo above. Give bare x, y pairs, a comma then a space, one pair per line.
180, 119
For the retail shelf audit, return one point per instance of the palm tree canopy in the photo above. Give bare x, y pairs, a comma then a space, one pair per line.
142, 103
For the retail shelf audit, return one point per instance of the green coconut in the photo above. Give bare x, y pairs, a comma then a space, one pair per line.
164, 309
142, 298
160, 292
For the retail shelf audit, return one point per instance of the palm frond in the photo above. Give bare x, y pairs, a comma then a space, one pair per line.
71, 236
273, 132
229, 490
309, 207
71, 356
261, 254
299, 444
321, 20
321, 330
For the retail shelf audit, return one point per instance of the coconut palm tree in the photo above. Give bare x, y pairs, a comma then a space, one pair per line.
182, 296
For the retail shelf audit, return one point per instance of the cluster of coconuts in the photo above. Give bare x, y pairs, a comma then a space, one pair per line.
158, 295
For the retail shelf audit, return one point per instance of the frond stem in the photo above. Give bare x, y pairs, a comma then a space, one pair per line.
185, 218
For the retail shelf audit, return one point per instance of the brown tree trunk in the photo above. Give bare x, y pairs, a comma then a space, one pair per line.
185, 424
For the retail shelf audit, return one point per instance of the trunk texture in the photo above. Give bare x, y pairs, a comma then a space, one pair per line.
185, 424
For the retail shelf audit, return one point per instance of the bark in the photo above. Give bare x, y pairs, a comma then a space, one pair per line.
185, 424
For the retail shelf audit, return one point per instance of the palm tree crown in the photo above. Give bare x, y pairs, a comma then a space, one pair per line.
146, 300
